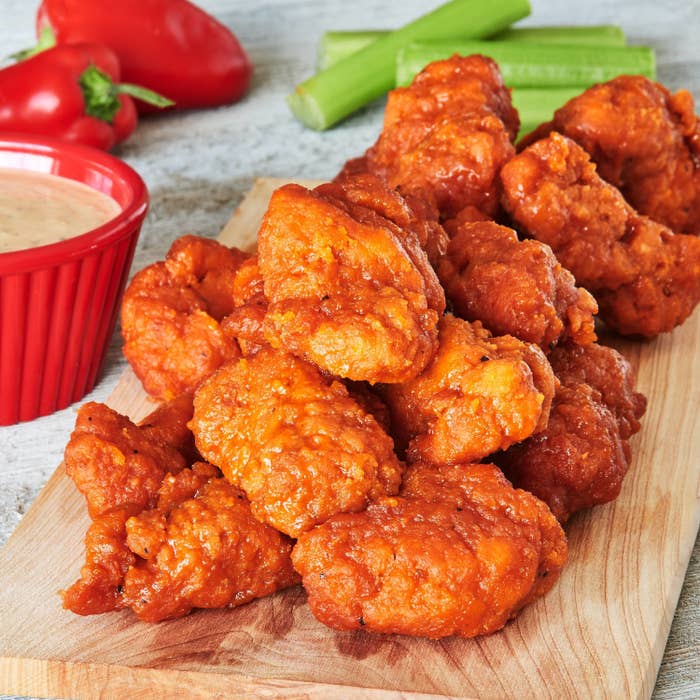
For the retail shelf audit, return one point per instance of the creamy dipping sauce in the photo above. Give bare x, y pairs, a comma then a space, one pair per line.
38, 209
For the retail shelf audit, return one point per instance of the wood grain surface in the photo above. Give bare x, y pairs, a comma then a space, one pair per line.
599, 633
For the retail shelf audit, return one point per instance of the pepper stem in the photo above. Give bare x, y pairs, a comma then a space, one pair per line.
47, 40
101, 94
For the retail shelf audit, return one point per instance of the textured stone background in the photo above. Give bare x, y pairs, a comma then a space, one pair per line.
198, 165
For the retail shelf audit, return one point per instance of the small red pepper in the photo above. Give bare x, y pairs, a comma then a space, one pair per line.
69, 92
169, 46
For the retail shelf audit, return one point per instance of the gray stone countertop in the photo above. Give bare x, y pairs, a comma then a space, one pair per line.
199, 164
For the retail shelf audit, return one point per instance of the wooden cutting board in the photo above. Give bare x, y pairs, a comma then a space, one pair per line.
601, 631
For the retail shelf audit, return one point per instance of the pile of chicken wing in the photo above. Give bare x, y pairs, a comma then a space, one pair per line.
346, 407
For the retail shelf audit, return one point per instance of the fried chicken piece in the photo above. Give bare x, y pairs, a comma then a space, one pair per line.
348, 289
408, 213
167, 425
460, 559
119, 468
170, 316
645, 141
645, 278
202, 548
116, 464
245, 324
608, 372
582, 457
514, 287
107, 559
446, 136
298, 445
370, 402
479, 394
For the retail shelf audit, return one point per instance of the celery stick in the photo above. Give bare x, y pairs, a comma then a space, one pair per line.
333, 94
593, 35
537, 105
334, 46
534, 65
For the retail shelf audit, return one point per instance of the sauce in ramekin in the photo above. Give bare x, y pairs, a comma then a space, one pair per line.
37, 209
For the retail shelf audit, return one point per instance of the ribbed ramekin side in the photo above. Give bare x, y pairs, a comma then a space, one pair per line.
55, 326
13, 321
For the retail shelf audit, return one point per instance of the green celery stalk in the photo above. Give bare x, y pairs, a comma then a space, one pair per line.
333, 94
592, 35
337, 45
537, 105
534, 65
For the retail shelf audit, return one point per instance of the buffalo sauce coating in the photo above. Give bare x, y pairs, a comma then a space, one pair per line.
201, 547
459, 552
478, 395
294, 440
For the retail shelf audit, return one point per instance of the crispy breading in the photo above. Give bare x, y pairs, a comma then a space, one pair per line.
116, 464
446, 136
514, 287
202, 548
408, 213
478, 395
347, 288
245, 323
459, 552
107, 559
294, 440
582, 457
170, 316
645, 278
644, 140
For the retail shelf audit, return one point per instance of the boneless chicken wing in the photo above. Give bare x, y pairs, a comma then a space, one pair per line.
645, 278
457, 553
582, 457
347, 288
294, 440
107, 559
202, 548
119, 467
644, 140
478, 395
171, 312
446, 136
514, 287
115, 463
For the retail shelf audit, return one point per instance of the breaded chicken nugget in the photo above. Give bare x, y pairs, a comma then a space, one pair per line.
460, 552
644, 140
514, 287
167, 425
119, 468
408, 213
171, 312
478, 395
116, 464
348, 290
582, 457
298, 445
107, 559
446, 136
645, 278
202, 548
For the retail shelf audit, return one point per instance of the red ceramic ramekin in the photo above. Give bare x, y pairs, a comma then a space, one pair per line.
59, 302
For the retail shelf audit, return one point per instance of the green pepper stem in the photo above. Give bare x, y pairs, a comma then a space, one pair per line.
101, 94
47, 40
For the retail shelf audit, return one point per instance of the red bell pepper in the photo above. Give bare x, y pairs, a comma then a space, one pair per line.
72, 93
169, 46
